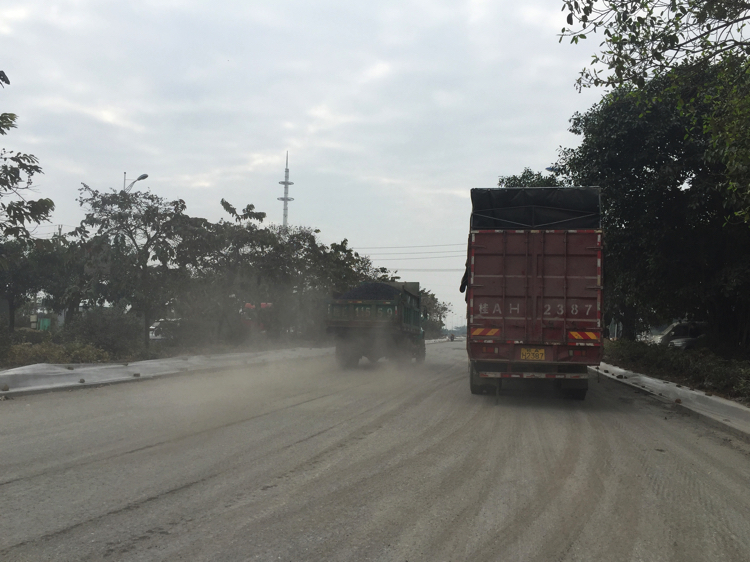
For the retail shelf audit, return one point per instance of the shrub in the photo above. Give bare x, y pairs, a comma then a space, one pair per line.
189, 332
28, 335
5, 343
699, 368
109, 329
48, 352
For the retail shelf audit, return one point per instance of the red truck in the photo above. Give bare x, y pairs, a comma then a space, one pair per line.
533, 286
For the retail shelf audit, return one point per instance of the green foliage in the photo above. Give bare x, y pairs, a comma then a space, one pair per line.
647, 38
699, 368
669, 250
28, 335
132, 239
17, 171
140, 253
703, 48
216, 272
529, 178
434, 313
248, 213
65, 274
5, 344
19, 274
49, 352
224, 265
108, 329
298, 274
725, 123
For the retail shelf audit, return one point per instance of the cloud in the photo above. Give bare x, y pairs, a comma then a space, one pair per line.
391, 111
9, 17
377, 71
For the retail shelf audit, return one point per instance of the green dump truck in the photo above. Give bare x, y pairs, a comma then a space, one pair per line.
376, 320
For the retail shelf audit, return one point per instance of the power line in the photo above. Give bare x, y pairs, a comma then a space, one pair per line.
461, 255
401, 247
428, 269
414, 253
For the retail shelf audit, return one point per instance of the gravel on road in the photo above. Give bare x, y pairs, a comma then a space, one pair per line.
297, 460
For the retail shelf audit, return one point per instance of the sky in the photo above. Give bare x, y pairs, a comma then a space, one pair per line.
391, 111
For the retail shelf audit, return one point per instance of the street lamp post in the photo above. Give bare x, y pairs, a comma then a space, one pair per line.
128, 188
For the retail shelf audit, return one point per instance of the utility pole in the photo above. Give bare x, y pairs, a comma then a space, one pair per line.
286, 183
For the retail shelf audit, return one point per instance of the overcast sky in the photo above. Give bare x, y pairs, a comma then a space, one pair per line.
391, 110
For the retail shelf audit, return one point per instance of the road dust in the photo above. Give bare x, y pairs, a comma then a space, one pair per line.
299, 460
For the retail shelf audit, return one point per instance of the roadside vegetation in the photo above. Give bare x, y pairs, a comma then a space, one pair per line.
668, 145
137, 259
699, 368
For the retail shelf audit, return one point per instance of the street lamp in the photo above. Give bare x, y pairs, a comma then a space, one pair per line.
139, 178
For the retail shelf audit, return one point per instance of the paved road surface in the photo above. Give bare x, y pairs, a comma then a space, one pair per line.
298, 461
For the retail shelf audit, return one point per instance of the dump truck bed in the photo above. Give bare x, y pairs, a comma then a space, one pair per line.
375, 320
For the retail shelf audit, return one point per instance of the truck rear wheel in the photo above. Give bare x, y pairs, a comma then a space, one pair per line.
347, 362
346, 357
476, 386
421, 352
475, 389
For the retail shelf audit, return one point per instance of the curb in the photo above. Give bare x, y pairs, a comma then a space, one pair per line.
10, 394
715, 419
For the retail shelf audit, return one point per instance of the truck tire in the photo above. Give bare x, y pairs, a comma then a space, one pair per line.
348, 361
401, 353
475, 389
346, 357
421, 352
475, 385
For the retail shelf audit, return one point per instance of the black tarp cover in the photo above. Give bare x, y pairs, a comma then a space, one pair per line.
542, 208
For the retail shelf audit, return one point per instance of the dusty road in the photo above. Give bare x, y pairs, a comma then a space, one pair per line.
302, 462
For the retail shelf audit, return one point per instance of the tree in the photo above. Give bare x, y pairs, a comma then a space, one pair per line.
229, 264
19, 279
131, 244
685, 41
529, 178
16, 177
65, 276
725, 120
434, 312
299, 274
218, 265
648, 38
669, 250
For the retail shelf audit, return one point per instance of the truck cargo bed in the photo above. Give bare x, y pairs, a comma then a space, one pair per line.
535, 299
534, 294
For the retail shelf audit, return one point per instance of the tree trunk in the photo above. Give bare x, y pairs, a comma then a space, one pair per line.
71, 311
11, 314
220, 326
146, 326
629, 323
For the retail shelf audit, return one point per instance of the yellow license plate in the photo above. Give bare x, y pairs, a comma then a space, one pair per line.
532, 354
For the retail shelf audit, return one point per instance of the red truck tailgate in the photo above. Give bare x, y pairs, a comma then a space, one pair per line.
535, 295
